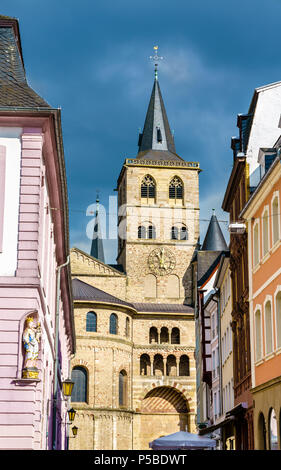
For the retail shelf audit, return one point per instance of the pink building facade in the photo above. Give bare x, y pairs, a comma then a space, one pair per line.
34, 247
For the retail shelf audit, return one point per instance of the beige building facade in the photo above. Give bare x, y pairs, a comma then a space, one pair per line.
134, 369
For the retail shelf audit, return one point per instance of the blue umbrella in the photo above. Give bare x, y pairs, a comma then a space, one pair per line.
182, 440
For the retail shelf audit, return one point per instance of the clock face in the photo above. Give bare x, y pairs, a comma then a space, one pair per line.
161, 261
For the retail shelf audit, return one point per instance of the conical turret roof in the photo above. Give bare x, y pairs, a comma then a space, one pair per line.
214, 239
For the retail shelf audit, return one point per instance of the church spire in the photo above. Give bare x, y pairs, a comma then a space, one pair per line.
97, 245
156, 140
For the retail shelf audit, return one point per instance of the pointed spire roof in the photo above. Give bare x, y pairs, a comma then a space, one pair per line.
214, 239
156, 141
97, 244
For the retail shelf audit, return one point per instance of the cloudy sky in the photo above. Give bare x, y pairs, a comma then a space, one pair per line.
91, 58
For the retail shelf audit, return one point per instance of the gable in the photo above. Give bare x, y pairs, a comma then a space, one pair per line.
82, 263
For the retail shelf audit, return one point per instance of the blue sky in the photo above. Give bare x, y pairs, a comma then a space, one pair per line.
91, 58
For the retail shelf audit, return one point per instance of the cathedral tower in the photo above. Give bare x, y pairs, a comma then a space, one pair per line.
158, 201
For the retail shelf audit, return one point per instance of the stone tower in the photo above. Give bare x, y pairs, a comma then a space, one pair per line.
134, 370
158, 201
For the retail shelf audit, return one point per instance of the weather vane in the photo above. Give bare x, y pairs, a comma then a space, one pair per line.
156, 59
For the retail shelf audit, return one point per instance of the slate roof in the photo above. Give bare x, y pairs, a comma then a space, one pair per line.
84, 291
214, 239
156, 121
14, 89
165, 308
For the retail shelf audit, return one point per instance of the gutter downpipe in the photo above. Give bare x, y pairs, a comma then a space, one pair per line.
55, 390
217, 300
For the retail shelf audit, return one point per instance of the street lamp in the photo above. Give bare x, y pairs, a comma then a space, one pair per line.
71, 414
67, 387
74, 431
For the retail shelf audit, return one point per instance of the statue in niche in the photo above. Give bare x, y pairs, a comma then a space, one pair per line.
31, 338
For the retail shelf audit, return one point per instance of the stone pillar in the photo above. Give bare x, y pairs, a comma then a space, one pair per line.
165, 365
178, 366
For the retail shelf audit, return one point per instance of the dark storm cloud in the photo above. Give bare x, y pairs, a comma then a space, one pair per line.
91, 59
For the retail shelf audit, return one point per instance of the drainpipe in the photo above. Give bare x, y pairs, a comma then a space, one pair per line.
55, 391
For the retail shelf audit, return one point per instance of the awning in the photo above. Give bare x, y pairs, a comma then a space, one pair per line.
212, 428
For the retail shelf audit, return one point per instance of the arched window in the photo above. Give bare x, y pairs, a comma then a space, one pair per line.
123, 386
275, 220
184, 365
174, 233
141, 231
146, 231
151, 232
176, 188
258, 328
179, 233
91, 321
278, 319
153, 335
113, 324
127, 332
158, 365
148, 188
268, 328
79, 391
164, 335
272, 430
171, 365
175, 337
145, 366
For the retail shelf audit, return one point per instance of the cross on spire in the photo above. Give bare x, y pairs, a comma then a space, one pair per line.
156, 59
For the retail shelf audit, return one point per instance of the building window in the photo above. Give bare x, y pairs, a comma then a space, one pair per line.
184, 365
141, 232
153, 335
151, 232
275, 220
79, 377
123, 386
147, 232
265, 232
175, 336
91, 322
256, 243
176, 189
164, 335
278, 319
268, 328
258, 328
148, 188
179, 233
145, 365
113, 324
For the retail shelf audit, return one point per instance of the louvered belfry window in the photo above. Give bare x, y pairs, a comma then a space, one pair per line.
148, 187
176, 188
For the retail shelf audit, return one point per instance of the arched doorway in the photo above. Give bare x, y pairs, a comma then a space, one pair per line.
164, 410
